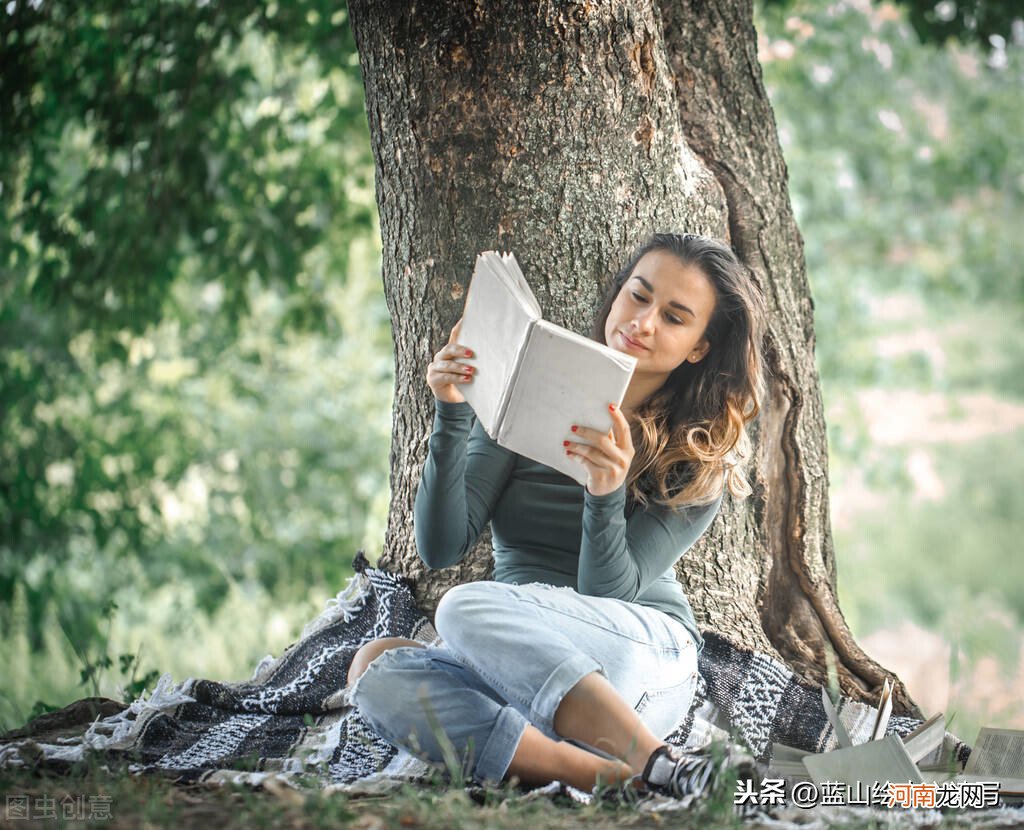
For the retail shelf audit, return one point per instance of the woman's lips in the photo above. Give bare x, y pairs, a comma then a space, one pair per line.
632, 343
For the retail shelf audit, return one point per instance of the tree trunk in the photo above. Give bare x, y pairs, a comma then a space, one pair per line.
567, 132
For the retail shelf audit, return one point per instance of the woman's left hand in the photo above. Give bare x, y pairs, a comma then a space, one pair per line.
606, 455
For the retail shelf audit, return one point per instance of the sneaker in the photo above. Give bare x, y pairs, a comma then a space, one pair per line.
698, 774
628, 794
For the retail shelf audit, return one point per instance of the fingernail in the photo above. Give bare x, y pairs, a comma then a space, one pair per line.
574, 427
469, 352
565, 443
568, 452
611, 407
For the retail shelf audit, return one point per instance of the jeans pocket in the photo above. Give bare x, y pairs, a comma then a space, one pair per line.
662, 710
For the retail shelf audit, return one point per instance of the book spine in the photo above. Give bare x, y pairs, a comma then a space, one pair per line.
510, 385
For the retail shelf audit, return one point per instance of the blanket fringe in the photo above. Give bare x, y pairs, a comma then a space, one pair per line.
348, 602
343, 606
116, 730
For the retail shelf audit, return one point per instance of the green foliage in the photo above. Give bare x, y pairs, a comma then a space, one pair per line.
907, 176
163, 627
143, 137
906, 168
91, 648
964, 20
185, 292
937, 22
93, 666
259, 458
907, 171
949, 564
40, 708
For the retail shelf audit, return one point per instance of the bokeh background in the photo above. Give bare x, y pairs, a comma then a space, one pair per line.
196, 368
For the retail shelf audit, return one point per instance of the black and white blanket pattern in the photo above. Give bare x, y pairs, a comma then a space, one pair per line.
293, 719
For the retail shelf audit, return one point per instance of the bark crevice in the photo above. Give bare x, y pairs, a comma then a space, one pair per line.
799, 612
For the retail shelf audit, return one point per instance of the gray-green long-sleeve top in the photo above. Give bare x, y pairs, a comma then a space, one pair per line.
546, 527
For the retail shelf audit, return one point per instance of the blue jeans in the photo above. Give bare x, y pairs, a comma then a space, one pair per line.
510, 654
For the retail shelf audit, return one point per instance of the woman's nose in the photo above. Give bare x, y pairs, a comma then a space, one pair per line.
644, 320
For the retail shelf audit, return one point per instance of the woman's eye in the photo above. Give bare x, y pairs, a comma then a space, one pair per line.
673, 319
639, 297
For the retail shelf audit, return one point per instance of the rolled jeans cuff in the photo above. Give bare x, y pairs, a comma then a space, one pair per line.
502, 743
566, 675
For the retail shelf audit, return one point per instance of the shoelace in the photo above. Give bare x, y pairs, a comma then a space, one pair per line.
691, 775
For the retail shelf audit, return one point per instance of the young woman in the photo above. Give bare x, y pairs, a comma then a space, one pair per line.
581, 656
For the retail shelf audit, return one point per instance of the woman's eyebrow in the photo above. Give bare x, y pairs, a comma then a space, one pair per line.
672, 303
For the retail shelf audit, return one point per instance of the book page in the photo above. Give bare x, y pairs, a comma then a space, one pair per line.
781, 752
997, 752
792, 771
507, 266
883, 713
495, 323
875, 761
842, 736
926, 738
564, 379
788, 762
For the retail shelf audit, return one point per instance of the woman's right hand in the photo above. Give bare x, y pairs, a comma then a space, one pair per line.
445, 372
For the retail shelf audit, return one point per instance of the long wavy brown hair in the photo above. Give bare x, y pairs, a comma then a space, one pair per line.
690, 435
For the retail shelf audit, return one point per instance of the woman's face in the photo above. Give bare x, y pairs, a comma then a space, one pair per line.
660, 314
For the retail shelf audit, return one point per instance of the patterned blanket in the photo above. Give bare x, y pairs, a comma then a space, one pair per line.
293, 718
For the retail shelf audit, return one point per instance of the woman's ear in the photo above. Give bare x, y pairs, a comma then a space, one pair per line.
699, 351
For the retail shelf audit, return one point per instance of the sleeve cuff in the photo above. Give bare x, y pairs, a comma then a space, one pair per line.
609, 502
453, 411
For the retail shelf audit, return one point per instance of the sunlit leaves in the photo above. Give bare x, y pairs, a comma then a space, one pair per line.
168, 170
140, 135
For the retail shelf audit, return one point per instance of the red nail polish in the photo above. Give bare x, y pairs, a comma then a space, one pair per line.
565, 443
574, 428
469, 352
567, 452
611, 407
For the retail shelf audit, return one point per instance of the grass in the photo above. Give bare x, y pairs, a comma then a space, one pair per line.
94, 797
133, 802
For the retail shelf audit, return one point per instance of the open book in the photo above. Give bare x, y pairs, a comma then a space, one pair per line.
878, 755
998, 755
534, 379
996, 760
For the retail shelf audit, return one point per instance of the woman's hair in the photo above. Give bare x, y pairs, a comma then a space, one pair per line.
692, 429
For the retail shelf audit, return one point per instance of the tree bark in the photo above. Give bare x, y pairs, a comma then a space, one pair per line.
567, 132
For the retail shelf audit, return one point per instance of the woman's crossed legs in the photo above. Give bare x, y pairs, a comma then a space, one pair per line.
526, 674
